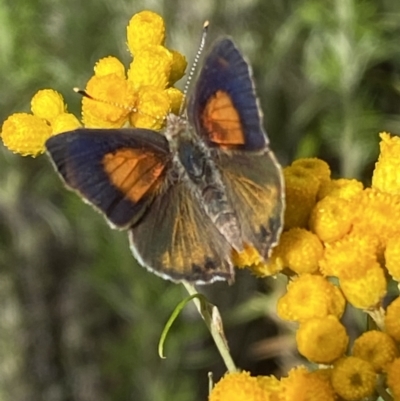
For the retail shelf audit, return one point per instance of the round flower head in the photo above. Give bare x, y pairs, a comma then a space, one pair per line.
392, 257
301, 385
322, 340
109, 65
25, 134
152, 106
392, 320
112, 99
350, 256
310, 296
298, 250
341, 188
393, 375
151, 67
353, 378
377, 213
65, 122
331, 218
271, 386
376, 347
144, 29
301, 191
238, 386
316, 167
385, 177
367, 290
47, 104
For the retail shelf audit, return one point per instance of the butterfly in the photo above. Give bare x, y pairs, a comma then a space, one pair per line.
208, 185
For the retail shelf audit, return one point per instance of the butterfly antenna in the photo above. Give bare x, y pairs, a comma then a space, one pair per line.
194, 65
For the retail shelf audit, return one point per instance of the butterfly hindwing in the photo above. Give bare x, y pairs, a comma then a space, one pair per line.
223, 107
254, 185
117, 171
177, 241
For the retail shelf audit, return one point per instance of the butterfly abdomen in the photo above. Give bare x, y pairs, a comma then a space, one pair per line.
205, 181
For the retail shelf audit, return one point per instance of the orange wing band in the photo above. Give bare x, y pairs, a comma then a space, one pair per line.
132, 171
221, 120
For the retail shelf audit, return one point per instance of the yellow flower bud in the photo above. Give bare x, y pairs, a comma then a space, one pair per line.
341, 188
175, 98
376, 347
301, 385
178, 67
386, 174
298, 250
25, 134
65, 122
151, 67
47, 104
350, 256
301, 191
238, 386
153, 105
109, 65
392, 320
145, 29
331, 218
353, 378
392, 257
393, 375
310, 296
316, 167
112, 100
366, 290
322, 340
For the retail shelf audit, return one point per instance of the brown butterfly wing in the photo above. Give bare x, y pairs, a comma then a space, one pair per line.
177, 241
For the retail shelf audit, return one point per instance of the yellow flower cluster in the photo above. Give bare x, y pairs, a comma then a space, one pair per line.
341, 244
140, 96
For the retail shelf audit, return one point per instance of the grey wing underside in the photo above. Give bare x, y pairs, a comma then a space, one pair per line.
255, 188
177, 241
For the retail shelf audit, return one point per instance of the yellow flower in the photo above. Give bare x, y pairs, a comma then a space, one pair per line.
175, 98
392, 257
25, 134
377, 348
301, 191
310, 296
109, 65
298, 250
340, 188
152, 107
353, 378
392, 320
250, 258
301, 385
322, 340
331, 218
178, 67
47, 104
393, 375
316, 167
386, 174
151, 67
350, 256
112, 100
377, 213
65, 122
367, 290
238, 386
145, 29
271, 386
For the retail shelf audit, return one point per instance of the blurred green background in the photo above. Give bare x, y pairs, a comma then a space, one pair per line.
79, 319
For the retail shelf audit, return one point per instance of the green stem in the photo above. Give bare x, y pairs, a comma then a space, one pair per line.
211, 317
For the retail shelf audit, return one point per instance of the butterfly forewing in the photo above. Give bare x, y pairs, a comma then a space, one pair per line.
117, 171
